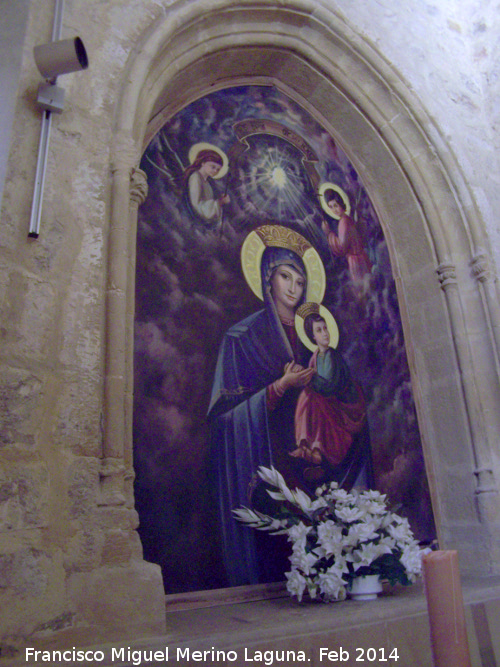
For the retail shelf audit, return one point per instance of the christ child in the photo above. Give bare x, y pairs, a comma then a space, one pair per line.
331, 408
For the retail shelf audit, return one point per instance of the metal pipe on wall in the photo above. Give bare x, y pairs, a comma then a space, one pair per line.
43, 149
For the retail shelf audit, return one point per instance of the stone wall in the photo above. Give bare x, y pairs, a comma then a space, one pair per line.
12, 29
447, 52
70, 558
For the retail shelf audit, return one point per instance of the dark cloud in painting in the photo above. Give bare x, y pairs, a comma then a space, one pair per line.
190, 289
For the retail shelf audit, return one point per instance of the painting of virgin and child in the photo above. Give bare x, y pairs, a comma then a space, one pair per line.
271, 405
267, 333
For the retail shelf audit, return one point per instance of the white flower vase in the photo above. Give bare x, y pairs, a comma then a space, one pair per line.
365, 588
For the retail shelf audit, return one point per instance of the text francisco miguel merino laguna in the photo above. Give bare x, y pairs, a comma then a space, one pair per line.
210, 656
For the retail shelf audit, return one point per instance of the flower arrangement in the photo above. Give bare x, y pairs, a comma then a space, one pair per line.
337, 537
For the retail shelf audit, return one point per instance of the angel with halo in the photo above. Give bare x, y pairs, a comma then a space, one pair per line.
347, 242
196, 184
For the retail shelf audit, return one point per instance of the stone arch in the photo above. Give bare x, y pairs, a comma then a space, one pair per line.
437, 242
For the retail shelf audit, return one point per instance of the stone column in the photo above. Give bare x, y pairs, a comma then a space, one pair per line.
112, 463
116, 474
481, 270
138, 194
485, 489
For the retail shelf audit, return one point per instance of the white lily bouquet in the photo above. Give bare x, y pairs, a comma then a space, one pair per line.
337, 537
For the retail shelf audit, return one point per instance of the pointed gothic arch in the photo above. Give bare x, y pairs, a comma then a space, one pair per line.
438, 248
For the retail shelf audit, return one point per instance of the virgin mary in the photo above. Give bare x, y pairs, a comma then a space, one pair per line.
262, 367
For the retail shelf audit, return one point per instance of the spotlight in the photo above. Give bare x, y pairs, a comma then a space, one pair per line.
61, 57
55, 58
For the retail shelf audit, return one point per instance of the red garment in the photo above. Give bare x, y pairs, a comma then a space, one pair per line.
347, 243
325, 424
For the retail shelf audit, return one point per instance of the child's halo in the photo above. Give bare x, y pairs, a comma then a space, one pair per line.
305, 310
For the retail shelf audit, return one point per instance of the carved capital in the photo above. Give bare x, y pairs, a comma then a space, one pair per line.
447, 275
138, 186
480, 267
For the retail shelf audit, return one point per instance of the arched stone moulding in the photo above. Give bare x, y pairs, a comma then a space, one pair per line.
438, 248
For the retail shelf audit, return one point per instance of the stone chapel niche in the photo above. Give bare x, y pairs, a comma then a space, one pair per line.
229, 164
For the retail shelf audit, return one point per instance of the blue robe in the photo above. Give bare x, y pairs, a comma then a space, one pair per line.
253, 355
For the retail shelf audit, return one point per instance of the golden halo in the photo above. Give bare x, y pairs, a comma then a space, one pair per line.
251, 255
331, 186
330, 323
203, 146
